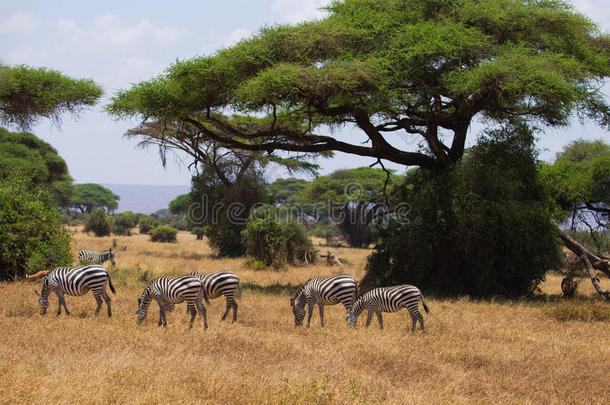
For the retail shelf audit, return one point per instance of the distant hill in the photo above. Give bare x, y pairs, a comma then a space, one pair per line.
145, 199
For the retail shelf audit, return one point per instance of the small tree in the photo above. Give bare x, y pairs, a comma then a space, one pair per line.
32, 236
148, 223
98, 223
124, 222
163, 233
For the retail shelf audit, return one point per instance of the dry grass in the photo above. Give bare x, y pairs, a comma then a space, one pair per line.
472, 352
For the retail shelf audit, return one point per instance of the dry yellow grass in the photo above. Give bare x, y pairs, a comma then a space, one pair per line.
472, 352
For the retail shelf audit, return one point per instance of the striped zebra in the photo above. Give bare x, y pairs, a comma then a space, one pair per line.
389, 299
168, 291
323, 291
88, 256
76, 281
222, 283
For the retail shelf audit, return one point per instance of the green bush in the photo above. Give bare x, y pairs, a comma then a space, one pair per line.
124, 222
163, 233
275, 243
483, 229
32, 236
147, 223
98, 223
199, 231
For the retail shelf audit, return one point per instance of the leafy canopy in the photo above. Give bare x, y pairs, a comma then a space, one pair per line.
32, 158
89, 196
394, 68
28, 94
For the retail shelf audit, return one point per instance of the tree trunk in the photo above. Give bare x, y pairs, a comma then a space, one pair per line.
592, 262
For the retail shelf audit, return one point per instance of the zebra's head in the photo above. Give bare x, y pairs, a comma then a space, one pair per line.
43, 299
351, 319
111, 253
142, 311
298, 311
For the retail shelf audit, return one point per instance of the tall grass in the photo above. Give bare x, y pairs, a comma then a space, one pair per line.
472, 352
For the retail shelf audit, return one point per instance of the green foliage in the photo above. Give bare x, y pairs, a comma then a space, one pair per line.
180, 204
426, 67
32, 236
483, 229
276, 243
148, 223
98, 223
579, 183
199, 231
124, 222
28, 94
284, 191
163, 233
90, 196
224, 207
26, 155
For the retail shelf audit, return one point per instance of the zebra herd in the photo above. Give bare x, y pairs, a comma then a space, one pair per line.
198, 287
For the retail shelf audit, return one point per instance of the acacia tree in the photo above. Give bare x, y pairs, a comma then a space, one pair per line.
423, 69
28, 94
90, 196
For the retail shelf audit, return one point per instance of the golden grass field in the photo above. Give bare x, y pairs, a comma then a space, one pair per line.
472, 352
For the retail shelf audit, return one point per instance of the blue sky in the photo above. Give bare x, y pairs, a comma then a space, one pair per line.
117, 43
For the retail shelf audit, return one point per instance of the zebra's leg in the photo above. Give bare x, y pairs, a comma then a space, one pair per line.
234, 308
61, 301
107, 300
421, 320
227, 309
321, 314
310, 305
369, 315
202, 311
190, 307
414, 321
98, 300
162, 320
380, 319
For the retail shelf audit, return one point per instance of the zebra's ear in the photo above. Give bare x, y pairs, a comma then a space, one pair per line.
37, 293
292, 302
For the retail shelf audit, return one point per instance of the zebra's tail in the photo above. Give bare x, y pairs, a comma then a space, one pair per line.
110, 284
239, 290
423, 301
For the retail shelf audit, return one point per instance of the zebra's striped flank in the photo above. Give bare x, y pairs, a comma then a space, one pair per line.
88, 256
222, 283
168, 291
323, 291
389, 299
76, 281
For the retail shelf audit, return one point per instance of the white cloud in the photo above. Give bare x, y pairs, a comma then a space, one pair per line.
19, 23
236, 36
597, 10
294, 11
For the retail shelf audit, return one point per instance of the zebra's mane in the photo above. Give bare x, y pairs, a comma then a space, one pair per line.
300, 290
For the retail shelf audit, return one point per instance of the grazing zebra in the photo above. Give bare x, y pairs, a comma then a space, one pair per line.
75, 281
87, 256
222, 283
323, 291
389, 299
168, 291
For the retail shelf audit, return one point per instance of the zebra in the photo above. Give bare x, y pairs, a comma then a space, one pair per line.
389, 299
168, 291
323, 291
222, 283
88, 256
76, 281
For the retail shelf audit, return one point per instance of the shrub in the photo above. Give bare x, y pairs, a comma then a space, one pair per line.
275, 243
124, 222
163, 233
32, 236
199, 231
148, 223
98, 223
482, 229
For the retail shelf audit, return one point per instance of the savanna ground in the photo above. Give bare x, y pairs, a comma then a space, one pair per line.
530, 351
